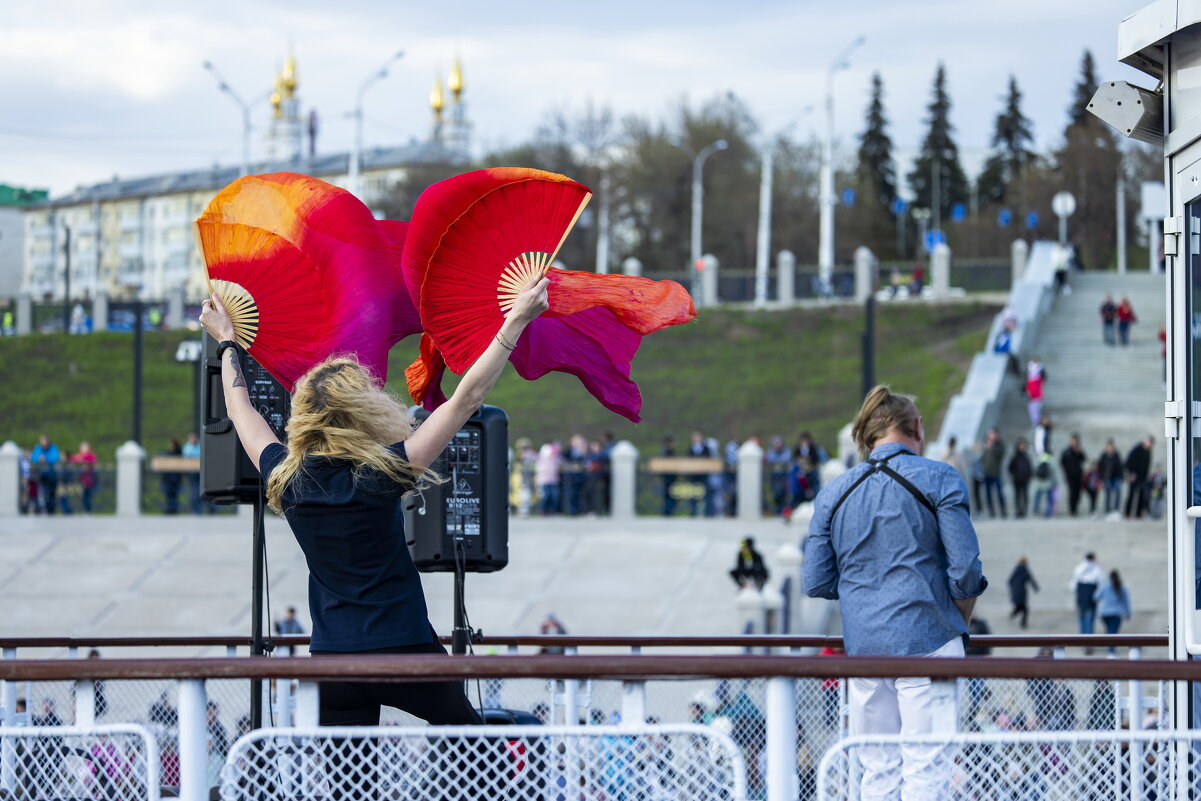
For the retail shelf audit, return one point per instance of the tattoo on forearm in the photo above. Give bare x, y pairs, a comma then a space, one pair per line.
239, 378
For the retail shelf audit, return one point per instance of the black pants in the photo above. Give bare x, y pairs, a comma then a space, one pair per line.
1021, 498
357, 703
1073, 482
1136, 498
1019, 608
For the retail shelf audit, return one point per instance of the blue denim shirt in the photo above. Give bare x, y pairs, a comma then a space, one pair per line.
894, 570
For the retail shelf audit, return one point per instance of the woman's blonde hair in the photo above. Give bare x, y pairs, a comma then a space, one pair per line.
881, 412
338, 412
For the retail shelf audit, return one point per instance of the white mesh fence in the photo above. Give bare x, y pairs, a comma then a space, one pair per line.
646, 763
105, 762
1007, 766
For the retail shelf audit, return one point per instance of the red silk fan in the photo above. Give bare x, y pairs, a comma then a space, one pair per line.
306, 273
476, 239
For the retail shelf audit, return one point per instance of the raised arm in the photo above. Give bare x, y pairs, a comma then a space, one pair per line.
432, 437
253, 431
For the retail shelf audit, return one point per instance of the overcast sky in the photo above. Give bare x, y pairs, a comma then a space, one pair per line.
115, 87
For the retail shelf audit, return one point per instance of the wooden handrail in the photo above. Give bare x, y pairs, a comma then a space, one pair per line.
617, 668
567, 641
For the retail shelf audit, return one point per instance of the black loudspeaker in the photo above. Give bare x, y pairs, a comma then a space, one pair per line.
226, 472
467, 516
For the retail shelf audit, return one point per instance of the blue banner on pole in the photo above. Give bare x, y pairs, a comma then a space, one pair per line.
1004, 218
934, 239
958, 213
1032, 220
899, 206
848, 197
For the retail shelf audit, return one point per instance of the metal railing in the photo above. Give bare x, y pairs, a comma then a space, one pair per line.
775, 708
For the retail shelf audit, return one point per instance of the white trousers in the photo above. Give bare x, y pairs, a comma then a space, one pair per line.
905, 706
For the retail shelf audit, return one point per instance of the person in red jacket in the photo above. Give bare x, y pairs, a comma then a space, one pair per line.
1126, 318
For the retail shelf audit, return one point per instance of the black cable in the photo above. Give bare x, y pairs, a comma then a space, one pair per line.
460, 575
267, 600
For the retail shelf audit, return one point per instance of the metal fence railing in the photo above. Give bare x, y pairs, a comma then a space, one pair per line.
763, 705
1059, 766
93, 762
468, 763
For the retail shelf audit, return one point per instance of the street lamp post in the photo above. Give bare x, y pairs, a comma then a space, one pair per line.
224, 86
356, 151
763, 238
825, 247
698, 202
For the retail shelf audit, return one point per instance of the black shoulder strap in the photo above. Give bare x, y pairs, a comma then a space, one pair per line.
881, 465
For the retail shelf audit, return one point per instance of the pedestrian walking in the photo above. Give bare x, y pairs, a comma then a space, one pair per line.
909, 601
45, 458
1036, 375
1073, 460
990, 463
1110, 471
1020, 472
1113, 604
1086, 580
1020, 581
1126, 318
1044, 485
1109, 319
1138, 467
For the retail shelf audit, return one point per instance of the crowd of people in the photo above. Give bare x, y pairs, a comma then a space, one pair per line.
576, 479
1042, 484
54, 481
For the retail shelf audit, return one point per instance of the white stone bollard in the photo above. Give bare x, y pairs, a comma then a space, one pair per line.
709, 280
786, 277
750, 481
632, 266
773, 605
940, 271
175, 299
24, 313
830, 470
129, 479
1019, 252
848, 451
749, 603
865, 274
623, 480
10, 479
788, 566
100, 311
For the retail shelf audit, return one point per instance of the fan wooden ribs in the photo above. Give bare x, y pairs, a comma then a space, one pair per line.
239, 304
519, 272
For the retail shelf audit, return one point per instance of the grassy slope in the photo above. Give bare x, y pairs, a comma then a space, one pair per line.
730, 374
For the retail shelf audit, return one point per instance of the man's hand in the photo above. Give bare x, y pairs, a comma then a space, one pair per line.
215, 320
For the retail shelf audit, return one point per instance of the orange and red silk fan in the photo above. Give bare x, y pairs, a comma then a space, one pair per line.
476, 239
305, 272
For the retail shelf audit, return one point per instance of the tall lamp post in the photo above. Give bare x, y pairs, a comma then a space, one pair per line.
356, 151
698, 202
763, 237
825, 247
224, 86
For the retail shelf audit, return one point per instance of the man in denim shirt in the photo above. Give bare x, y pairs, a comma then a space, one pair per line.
892, 541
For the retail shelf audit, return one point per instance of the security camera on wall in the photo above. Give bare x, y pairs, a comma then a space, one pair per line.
1130, 110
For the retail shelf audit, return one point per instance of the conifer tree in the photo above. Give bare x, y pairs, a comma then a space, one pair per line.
877, 173
1086, 85
939, 152
1011, 140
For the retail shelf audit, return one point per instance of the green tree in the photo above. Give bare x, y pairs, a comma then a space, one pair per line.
1012, 137
1082, 93
877, 173
939, 155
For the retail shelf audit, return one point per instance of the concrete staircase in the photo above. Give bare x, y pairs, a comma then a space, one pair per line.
1098, 390
1138, 550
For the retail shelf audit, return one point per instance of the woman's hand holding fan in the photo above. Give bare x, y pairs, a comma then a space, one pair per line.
215, 320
